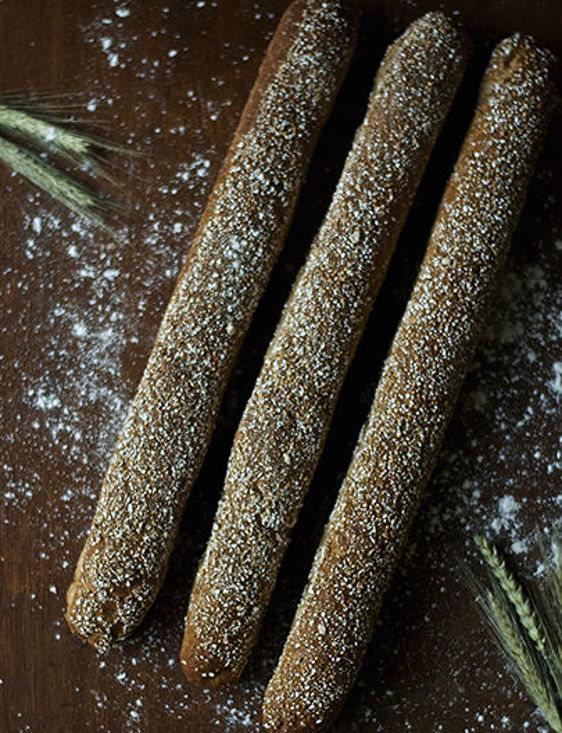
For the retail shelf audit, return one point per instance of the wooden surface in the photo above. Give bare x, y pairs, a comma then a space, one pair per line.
79, 314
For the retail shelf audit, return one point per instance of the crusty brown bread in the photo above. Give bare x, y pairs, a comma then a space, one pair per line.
431, 351
170, 421
284, 426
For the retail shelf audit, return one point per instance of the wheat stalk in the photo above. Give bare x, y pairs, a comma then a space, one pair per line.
56, 183
47, 134
527, 663
529, 632
556, 570
551, 602
514, 591
43, 132
47, 128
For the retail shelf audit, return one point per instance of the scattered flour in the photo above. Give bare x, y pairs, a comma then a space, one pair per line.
70, 410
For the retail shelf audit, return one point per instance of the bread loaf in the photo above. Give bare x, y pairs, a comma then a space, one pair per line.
285, 423
169, 424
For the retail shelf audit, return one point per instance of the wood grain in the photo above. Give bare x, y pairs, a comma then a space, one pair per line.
433, 663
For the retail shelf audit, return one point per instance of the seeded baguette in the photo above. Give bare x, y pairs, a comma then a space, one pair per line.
284, 426
423, 373
169, 424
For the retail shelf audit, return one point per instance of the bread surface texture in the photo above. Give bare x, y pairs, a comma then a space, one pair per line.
170, 420
430, 354
284, 426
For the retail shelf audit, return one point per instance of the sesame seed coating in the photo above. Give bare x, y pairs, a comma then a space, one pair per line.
415, 397
285, 423
168, 427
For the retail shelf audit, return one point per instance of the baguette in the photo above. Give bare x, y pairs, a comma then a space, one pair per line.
422, 376
169, 424
285, 423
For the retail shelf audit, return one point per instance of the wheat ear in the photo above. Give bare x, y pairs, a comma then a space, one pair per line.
43, 132
48, 130
53, 181
527, 663
514, 591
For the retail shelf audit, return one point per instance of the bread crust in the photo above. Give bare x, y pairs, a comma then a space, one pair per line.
285, 423
169, 424
422, 376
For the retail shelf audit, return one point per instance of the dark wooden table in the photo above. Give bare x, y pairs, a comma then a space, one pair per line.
79, 314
